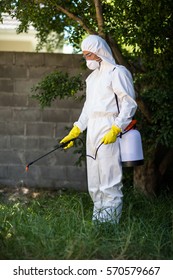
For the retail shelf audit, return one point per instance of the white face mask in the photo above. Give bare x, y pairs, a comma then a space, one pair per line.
92, 64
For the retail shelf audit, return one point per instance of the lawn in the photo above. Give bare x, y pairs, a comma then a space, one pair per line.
57, 225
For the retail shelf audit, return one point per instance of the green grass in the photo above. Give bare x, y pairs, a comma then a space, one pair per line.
58, 226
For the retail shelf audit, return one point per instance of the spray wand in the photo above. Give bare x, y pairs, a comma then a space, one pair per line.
58, 146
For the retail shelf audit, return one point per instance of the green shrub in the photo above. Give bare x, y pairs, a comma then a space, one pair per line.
56, 85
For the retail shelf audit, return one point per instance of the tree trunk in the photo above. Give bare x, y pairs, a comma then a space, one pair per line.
145, 178
156, 174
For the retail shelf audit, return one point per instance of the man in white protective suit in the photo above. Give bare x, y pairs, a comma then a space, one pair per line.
104, 122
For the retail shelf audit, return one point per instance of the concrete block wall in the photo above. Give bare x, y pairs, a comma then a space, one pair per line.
27, 131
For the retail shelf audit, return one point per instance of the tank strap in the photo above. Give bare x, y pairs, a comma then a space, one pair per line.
116, 98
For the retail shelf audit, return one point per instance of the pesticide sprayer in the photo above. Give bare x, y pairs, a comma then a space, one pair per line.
130, 144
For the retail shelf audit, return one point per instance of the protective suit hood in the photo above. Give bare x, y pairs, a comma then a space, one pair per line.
98, 46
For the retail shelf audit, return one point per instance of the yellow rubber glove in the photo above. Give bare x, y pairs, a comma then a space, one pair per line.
111, 136
74, 133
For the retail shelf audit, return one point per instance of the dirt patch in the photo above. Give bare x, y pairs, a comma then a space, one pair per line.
23, 193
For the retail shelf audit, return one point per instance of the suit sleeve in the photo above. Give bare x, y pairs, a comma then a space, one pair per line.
122, 84
83, 118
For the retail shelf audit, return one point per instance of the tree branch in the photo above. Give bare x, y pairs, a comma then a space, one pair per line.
99, 17
75, 18
118, 55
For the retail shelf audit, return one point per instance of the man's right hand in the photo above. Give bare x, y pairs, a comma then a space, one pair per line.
74, 133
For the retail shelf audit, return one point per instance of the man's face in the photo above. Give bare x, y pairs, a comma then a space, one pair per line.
90, 56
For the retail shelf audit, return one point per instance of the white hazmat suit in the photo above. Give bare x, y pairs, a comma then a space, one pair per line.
98, 115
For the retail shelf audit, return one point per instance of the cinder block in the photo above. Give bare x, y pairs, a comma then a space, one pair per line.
40, 129
23, 86
17, 174
4, 142
61, 157
39, 71
6, 71
7, 182
10, 100
17, 142
26, 114
5, 114
74, 114
24, 143
9, 157
11, 128
19, 71
62, 128
52, 59
6, 58
6, 99
76, 173
55, 115
53, 173
32, 102
47, 143
29, 59
65, 61
19, 101
67, 103
13, 71
32, 143
6, 85
4, 172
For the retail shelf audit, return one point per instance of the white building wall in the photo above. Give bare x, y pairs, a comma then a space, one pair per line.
23, 42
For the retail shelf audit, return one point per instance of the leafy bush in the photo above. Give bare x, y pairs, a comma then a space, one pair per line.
56, 85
